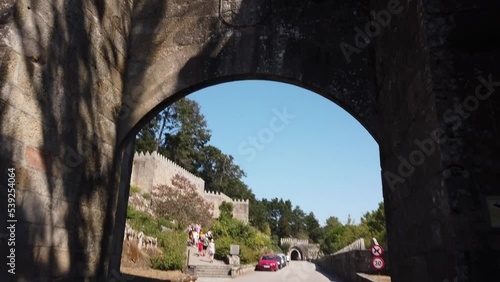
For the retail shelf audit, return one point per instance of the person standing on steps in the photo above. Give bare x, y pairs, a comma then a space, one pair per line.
206, 241
211, 250
200, 246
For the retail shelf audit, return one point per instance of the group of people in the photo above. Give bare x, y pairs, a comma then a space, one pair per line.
204, 242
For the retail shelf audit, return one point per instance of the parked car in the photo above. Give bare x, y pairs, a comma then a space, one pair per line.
283, 259
280, 261
268, 262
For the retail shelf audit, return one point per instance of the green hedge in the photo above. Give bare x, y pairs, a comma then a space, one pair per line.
174, 251
253, 243
172, 244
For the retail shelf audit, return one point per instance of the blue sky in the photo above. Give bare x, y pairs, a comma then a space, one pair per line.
294, 144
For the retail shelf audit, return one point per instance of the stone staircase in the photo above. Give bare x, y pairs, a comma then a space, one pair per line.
223, 271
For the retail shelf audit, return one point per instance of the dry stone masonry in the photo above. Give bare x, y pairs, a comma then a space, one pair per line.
143, 241
79, 78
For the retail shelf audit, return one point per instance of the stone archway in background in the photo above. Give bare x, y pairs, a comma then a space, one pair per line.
295, 254
79, 78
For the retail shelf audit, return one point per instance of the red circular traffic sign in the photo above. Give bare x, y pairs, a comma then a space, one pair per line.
377, 250
378, 263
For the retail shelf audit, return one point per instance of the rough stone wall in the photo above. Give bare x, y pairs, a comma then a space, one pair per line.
216, 198
438, 159
192, 45
408, 105
61, 67
240, 207
314, 251
464, 48
151, 169
307, 251
347, 264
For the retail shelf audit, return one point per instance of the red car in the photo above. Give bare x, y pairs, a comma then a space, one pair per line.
268, 262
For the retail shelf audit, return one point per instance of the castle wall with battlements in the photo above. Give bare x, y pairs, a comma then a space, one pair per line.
151, 169
294, 241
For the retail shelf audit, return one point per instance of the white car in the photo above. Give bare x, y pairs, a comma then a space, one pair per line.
282, 260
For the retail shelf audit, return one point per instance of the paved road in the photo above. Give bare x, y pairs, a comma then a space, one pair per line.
296, 271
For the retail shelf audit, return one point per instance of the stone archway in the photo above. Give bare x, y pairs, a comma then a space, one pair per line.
79, 78
295, 254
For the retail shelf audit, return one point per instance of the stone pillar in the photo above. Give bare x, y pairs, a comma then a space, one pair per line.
60, 79
438, 160
121, 211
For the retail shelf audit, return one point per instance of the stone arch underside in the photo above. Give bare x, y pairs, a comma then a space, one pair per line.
68, 67
283, 47
391, 86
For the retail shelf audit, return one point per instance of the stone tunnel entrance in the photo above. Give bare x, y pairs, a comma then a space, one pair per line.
79, 79
295, 255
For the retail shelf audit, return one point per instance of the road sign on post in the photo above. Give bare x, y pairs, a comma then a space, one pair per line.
378, 263
234, 250
377, 250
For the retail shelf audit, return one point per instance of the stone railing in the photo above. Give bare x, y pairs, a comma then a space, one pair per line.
348, 264
356, 245
143, 241
241, 270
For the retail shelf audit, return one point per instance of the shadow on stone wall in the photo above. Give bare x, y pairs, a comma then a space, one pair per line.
60, 76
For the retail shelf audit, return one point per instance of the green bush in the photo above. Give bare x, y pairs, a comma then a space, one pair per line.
172, 244
249, 255
165, 222
168, 261
223, 246
227, 231
174, 251
285, 247
134, 189
253, 243
146, 196
143, 221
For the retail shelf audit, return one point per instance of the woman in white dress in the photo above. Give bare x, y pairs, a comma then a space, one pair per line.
211, 250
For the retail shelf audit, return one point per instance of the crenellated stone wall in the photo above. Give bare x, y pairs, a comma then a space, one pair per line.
240, 207
151, 169
294, 241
